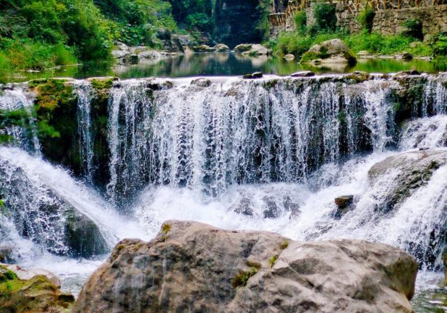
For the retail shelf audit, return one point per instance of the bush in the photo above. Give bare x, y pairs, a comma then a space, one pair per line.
326, 20
366, 19
414, 29
301, 22
440, 45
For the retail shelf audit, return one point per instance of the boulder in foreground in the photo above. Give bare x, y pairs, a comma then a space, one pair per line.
192, 267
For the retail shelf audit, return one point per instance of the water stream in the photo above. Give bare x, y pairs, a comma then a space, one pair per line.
270, 154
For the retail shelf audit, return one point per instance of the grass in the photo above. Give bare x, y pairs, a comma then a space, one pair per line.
296, 43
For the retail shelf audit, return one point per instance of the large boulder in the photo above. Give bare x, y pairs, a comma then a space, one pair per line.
409, 171
192, 267
329, 52
252, 50
42, 215
36, 294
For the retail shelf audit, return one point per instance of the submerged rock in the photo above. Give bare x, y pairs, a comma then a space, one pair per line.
303, 74
344, 201
36, 294
192, 267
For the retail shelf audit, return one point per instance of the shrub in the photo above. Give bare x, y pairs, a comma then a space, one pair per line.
301, 22
413, 29
366, 19
440, 45
325, 17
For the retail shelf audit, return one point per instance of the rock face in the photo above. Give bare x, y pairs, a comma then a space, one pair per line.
410, 171
36, 294
330, 51
192, 267
43, 216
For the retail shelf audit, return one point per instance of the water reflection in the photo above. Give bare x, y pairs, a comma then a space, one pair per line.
222, 64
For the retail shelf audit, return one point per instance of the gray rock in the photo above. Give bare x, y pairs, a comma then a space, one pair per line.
201, 82
254, 75
203, 48
244, 207
252, 50
411, 170
303, 74
407, 56
289, 57
192, 267
28, 274
330, 51
221, 48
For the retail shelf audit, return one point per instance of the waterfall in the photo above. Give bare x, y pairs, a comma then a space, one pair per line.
20, 106
428, 132
435, 96
36, 195
84, 92
241, 132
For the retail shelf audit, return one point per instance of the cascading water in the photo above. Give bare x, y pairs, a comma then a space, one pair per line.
83, 91
20, 104
240, 132
268, 154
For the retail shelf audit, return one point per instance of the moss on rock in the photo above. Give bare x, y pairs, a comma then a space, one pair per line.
37, 295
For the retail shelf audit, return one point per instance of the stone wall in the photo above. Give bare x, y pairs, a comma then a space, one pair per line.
387, 22
390, 22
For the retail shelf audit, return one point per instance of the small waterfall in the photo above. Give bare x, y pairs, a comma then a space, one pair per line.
428, 132
19, 105
83, 90
37, 195
435, 96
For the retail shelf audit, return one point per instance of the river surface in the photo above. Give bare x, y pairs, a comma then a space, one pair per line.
228, 64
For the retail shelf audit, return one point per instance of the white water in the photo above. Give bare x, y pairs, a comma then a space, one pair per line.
26, 138
202, 154
43, 177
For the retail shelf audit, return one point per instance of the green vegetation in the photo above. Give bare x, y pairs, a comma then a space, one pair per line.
241, 279
40, 34
366, 19
273, 260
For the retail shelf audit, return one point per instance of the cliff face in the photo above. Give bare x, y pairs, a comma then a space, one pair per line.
237, 21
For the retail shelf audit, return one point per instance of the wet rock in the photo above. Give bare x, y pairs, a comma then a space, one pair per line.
330, 51
254, 75
6, 252
292, 207
201, 82
344, 201
27, 274
221, 48
407, 56
358, 76
192, 267
407, 73
244, 207
22, 292
409, 170
272, 210
303, 74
